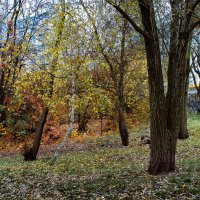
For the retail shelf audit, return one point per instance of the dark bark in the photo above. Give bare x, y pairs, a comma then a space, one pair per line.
31, 154
165, 111
162, 159
183, 132
83, 118
82, 123
120, 91
122, 127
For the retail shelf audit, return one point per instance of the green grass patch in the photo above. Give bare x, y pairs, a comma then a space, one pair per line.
106, 170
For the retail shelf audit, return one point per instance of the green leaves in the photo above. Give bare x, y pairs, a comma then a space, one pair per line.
100, 168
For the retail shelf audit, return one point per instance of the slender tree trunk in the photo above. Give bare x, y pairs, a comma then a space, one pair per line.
120, 88
122, 126
183, 132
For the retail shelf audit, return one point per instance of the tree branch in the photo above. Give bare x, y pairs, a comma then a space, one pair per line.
191, 10
106, 57
195, 5
194, 25
128, 18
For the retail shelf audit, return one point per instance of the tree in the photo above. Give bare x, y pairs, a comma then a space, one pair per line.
31, 153
115, 55
165, 109
17, 31
10, 58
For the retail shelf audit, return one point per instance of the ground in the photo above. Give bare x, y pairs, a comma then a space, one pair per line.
100, 168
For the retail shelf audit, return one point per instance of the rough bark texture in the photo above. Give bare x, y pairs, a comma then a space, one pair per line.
162, 159
183, 132
172, 118
31, 154
165, 111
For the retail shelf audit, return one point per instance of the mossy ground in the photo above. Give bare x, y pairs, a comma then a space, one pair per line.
104, 170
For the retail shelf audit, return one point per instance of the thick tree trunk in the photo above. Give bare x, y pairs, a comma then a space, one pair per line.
165, 111
31, 154
83, 118
82, 122
163, 140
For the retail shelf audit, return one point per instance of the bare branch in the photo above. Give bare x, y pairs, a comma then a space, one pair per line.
99, 44
127, 17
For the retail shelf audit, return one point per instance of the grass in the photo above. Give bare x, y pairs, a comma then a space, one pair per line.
104, 170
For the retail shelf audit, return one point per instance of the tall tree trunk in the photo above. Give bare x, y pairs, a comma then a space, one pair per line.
163, 144
120, 88
183, 132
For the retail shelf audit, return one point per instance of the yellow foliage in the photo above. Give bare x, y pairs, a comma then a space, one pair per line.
2, 130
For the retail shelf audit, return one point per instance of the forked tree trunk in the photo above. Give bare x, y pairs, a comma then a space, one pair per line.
163, 132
